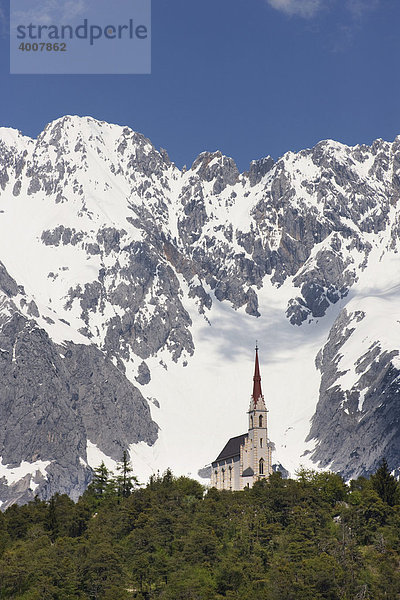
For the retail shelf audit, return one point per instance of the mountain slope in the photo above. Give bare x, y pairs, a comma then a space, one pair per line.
143, 288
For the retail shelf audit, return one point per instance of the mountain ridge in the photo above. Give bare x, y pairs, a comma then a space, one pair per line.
136, 260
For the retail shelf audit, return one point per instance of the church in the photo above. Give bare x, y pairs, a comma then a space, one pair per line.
246, 458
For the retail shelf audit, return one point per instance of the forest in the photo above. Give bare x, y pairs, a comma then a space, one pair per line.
310, 538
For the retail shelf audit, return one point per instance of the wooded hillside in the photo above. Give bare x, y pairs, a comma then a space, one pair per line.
306, 539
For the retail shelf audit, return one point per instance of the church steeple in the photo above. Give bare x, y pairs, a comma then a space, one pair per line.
256, 380
246, 458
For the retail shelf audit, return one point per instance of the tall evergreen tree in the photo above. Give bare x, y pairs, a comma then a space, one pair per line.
125, 481
385, 484
100, 481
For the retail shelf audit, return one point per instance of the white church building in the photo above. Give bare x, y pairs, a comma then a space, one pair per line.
246, 458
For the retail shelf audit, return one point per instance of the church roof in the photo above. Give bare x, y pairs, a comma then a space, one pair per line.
256, 380
232, 448
248, 472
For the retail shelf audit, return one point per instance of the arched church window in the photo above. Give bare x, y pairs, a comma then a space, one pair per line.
260, 421
261, 466
251, 422
261, 442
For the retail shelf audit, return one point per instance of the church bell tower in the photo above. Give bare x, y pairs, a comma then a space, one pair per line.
256, 454
246, 458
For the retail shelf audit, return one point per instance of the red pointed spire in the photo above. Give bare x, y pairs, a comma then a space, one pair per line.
257, 380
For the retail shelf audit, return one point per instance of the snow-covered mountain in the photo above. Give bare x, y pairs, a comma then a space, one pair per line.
132, 293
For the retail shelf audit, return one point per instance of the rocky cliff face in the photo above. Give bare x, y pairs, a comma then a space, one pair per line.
359, 399
111, 255
53, 399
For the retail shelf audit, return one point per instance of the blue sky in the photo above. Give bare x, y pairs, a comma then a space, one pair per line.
248, 77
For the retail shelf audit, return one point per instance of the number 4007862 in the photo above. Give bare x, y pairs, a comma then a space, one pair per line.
42, 47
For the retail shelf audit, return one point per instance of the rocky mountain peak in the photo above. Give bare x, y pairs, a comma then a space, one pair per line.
259, 168
214, 166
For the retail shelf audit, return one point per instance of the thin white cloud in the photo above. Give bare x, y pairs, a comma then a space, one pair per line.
346, 32
74, 8
358, 8
309, 8
50, 11
300, 8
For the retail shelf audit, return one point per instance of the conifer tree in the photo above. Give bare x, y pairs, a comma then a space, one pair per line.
125, 481
385, 484
52, 518
100, 481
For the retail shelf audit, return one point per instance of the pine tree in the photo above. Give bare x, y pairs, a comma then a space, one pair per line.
52, 518
385, 484
125, 481
100, 480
